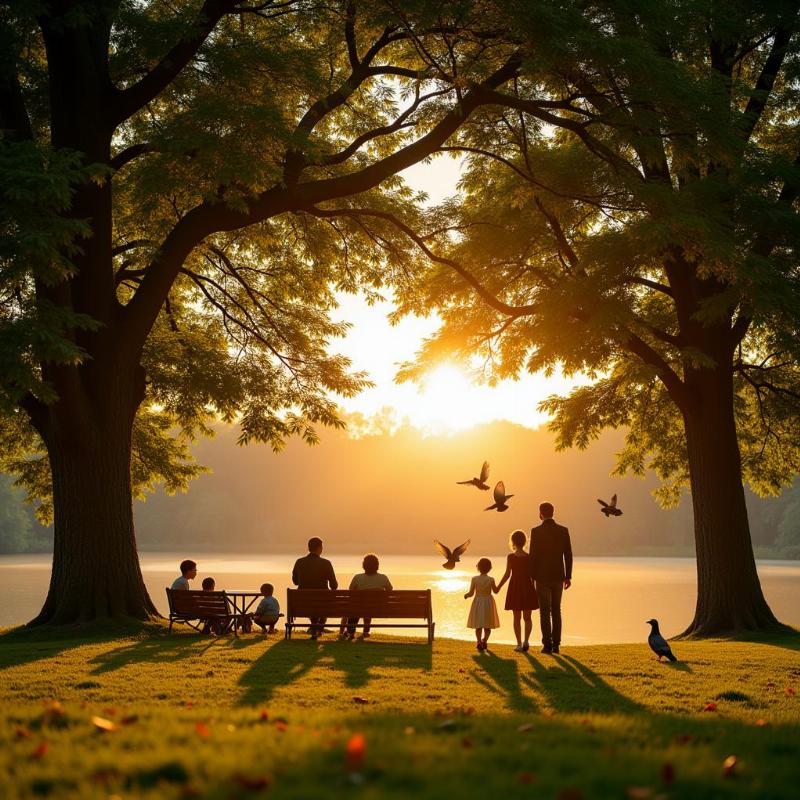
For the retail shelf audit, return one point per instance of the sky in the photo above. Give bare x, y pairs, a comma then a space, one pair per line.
447, 401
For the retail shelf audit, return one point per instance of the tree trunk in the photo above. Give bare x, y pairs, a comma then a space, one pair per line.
729, 596
96, 571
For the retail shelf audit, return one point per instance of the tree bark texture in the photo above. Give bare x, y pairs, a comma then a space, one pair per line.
729, 595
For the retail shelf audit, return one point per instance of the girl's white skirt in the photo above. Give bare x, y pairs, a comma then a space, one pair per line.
483, 613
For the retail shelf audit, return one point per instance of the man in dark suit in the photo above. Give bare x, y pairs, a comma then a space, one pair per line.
314, 572
551, 568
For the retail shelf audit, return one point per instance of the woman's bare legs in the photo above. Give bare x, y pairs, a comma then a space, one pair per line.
518, 626
526, 615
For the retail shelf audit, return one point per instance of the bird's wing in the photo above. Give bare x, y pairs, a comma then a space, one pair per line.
459, 551
445, 551
484, 471
658, 643
602, 503
613, 501
489, 508
499, 492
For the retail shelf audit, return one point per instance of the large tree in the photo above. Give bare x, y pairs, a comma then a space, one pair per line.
152, 271
630, 213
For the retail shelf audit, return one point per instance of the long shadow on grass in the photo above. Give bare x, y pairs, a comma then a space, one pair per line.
565, 684
505, 680
288, 661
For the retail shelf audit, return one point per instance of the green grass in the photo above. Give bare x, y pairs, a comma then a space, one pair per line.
256, 717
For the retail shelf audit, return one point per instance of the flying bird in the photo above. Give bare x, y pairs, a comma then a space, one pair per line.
610, 509
480, 483
658, 644
452, 556
500, 497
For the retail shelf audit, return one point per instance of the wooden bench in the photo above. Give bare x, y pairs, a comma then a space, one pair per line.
373, 604
188, 605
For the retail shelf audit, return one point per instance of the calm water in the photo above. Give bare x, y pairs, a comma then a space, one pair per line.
608, 602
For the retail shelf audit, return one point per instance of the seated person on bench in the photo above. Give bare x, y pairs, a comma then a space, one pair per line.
370, 579
314, 572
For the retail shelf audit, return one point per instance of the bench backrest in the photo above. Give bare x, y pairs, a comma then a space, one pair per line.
196, 604
397, 604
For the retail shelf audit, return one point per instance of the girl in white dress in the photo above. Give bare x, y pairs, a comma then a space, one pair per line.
483, 611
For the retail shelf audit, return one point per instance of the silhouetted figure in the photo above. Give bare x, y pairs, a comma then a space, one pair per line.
500, 498
369, 580
521, 595
551, 568
480, 483
658, 644
610, 509
483, 611
314, 572
452, 556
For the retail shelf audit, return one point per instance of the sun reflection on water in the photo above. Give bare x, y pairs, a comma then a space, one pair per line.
451, 581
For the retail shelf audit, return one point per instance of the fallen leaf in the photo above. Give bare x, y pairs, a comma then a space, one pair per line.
40, 751
110, 711
201, 729
525, 727
761, 723
189, 704
526, 777
106, 775
570, 794
466, 743
356, 752
770, 685
447, 724
252, 784
264, 715
791, 691
710, 707
684, 738
667, 773
729, 766
130, 719
281, 725
22, 733
53, 714
362, 701
638, 792
102, 724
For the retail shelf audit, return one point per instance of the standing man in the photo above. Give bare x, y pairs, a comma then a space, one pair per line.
551, 568
314, 572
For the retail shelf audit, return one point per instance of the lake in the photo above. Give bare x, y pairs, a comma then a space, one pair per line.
609, 600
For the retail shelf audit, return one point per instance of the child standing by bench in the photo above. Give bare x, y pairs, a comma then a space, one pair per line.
483, 611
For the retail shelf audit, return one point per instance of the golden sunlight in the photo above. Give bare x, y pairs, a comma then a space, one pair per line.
449, 582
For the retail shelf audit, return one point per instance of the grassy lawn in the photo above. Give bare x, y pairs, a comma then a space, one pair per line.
388, 718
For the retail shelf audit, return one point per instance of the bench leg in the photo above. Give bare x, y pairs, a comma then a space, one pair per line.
171, 620
430, 632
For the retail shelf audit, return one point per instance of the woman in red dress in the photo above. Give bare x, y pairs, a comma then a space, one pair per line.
521, 596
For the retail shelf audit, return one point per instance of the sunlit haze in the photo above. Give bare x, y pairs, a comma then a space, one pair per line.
447, 400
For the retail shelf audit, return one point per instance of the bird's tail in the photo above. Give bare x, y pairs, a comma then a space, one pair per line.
671, 657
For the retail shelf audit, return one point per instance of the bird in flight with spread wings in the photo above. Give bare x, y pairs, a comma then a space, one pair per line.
452, 556
480, 483
500, 498
610, 509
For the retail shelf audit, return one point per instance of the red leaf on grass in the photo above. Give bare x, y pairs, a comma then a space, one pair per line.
130, 719
729, 766
281, 725
264, 715
201, 729
710, 707
761, 723
526, 778
356, 751
466, 743
40, 751
638, 792
22, 733
252, 784
667, 773
362, 701
684, 738
791, 691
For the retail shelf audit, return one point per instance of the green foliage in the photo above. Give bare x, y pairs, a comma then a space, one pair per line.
629, 217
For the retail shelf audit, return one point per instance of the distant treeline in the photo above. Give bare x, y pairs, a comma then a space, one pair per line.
392, 494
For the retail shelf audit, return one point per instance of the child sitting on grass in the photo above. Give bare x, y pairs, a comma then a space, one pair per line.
483, 612
268, 609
